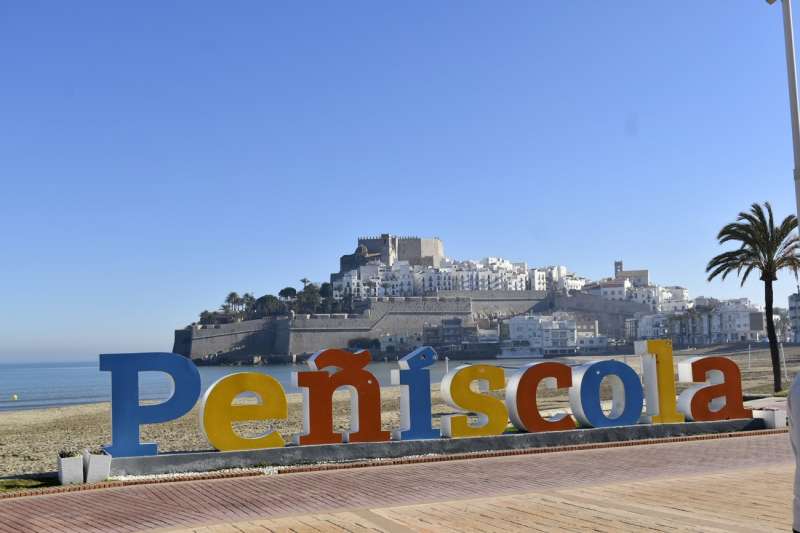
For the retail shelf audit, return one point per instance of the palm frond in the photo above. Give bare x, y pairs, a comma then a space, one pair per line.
762, 245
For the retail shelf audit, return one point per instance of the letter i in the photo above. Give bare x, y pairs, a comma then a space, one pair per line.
414, 379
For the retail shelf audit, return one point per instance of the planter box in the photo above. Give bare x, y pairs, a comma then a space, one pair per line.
96, 467
773, 418
70, 470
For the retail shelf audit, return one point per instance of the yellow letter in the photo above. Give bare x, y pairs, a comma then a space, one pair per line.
217, 412
492, 412
659, 381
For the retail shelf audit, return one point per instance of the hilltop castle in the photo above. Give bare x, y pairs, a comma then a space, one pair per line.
388, 249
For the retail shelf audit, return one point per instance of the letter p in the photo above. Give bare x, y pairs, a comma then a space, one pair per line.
126, 413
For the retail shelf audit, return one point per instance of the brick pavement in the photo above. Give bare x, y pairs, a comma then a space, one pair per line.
600, 486
740, 501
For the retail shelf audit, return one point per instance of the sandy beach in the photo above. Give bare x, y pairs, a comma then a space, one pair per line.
30, 439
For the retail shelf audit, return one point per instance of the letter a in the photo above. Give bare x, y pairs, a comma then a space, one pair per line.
719, 400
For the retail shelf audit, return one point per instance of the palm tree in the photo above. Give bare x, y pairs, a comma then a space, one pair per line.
233, 301
247, 301
305, 281
763, 247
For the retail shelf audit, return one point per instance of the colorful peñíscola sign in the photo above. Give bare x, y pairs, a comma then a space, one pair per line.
714, 394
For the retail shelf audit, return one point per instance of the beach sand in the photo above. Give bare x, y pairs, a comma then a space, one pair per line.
30, 440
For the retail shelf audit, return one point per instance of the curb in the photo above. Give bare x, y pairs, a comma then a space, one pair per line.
388, 462
526, 451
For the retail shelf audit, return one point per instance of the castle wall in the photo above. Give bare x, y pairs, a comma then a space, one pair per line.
417, 251
486, 304
610, 314
386, 245
309, 333
425, 252
235, 341
396, 316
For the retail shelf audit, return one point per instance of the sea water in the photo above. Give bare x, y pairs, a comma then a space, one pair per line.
39, 385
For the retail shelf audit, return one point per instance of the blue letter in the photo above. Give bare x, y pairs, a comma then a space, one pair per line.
126, 413
415, 395
627, 396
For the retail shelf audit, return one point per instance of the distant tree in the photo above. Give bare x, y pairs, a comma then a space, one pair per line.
269, 305
232, 300
305, 281
765, 248
206, 317
308, 299
288, 293
326, 290
347, 303
248, 301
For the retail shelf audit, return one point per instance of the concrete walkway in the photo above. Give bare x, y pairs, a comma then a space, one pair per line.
727, 484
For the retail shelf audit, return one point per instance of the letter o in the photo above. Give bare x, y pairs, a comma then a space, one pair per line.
627, 396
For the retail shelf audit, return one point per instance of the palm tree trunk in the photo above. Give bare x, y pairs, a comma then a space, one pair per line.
773, 339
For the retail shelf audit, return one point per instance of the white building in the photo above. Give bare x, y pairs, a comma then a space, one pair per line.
794, 316
404, 279
538, 279
651, 295
571, 282
544, 334
713, 322
654, 326
590, 343
610, 289
737, 320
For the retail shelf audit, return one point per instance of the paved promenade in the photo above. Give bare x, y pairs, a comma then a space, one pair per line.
728, 484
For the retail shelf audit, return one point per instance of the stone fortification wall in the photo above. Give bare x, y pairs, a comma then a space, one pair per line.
396, 316
309, 333
610, 314
486, 304
235, 341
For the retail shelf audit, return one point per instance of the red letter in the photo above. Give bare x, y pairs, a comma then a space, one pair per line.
721, 400
365, 398
521, 396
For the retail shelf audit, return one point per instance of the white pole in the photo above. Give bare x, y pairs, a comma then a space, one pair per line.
446, 364
748, 357
788, 35
785, 372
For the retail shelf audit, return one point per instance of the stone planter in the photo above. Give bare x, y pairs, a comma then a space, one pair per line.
96, 467
70, 470
773, 418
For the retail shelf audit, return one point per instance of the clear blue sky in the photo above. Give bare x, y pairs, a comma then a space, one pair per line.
156, 155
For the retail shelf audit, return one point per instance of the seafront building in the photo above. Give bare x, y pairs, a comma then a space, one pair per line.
707, 321
544, 334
